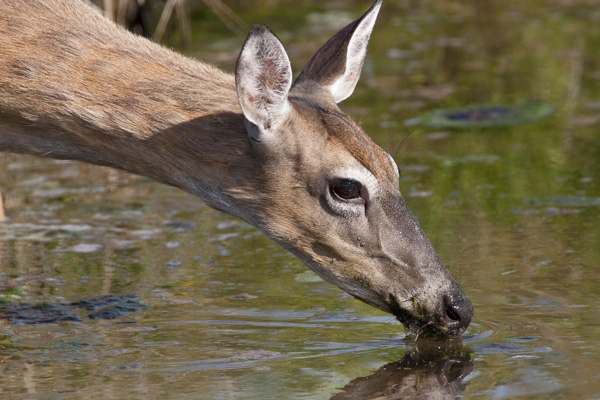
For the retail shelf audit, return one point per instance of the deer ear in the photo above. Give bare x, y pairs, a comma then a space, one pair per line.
263, 77
337, 64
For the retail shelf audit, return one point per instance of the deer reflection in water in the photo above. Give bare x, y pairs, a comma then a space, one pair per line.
428, 370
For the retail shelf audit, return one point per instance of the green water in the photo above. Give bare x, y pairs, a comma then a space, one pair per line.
513, 212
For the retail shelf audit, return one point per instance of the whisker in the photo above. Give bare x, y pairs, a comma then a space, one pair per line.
396, 149
421, 330
405, 160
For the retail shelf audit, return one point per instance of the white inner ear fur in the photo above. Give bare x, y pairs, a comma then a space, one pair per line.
343, 87
265, 81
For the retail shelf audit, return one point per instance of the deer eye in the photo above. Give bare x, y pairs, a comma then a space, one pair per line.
346, 189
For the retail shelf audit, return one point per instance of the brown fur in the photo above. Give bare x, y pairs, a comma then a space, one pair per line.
347, 134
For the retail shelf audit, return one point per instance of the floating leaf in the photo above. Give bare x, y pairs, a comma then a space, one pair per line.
485, 116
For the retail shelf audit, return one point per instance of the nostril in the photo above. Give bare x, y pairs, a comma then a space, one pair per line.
459, 311
451, 314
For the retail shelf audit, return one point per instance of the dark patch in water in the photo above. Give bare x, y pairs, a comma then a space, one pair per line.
112, 306
485, 116
105, 307
41, 313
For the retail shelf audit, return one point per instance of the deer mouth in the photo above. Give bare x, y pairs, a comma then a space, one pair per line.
449, 318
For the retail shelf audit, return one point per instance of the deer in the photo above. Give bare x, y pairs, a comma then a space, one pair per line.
275, 151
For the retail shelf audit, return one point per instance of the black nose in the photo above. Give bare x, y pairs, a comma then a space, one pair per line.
458, 312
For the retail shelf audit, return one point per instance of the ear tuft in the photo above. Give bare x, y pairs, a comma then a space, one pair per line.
336, 66
263, 77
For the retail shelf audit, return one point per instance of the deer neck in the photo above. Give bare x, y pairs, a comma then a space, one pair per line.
104, 96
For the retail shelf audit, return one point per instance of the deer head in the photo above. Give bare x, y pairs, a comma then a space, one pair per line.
326, 192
